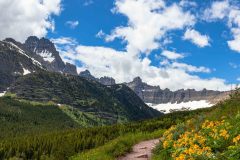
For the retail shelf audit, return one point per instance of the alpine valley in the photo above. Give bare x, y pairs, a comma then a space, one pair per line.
119, 80
43, 97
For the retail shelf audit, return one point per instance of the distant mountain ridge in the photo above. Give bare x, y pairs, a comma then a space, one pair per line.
156, 95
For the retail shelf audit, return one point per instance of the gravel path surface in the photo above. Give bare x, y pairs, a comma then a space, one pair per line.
141, 151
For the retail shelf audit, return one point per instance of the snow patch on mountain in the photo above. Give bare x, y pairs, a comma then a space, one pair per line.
23, 53
46, 55
26, 71
171, 107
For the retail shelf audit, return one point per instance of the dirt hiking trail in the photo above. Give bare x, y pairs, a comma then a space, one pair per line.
141, 151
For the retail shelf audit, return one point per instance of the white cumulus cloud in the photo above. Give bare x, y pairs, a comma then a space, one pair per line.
148, 23
122, 67
172, 55
225, 10
218, 10
196, 38
22, 18
64, 41
190, 68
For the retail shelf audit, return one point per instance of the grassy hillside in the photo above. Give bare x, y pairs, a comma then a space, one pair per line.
115, 104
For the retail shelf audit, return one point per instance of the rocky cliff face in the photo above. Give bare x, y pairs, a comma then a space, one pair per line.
156, 95
17, 59
14, 62
45, 52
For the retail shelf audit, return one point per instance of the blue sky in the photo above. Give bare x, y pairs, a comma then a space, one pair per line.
175, 44
97, 16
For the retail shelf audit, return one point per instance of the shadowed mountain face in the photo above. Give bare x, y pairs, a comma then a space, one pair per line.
14, 62
116, 103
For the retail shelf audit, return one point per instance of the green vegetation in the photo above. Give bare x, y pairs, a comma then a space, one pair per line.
25, 118
86, 119
33, 130
64, 144
117, 147
213, 135
115, 104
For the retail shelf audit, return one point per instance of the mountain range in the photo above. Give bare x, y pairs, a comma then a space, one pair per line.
40, 55
34, 71
156, 95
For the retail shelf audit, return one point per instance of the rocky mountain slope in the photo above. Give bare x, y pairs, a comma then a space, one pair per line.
156, 95
45, 52
18, 59
14, 62
114, 104
34, 71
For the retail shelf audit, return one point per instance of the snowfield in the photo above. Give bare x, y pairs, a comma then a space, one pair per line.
170, 107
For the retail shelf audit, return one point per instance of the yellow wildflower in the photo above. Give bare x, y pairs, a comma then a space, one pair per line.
236, 140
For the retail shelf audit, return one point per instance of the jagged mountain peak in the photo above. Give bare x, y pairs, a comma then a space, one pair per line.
32, 39
39, 44
156, 95
42, 47
45, 51
42, 51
